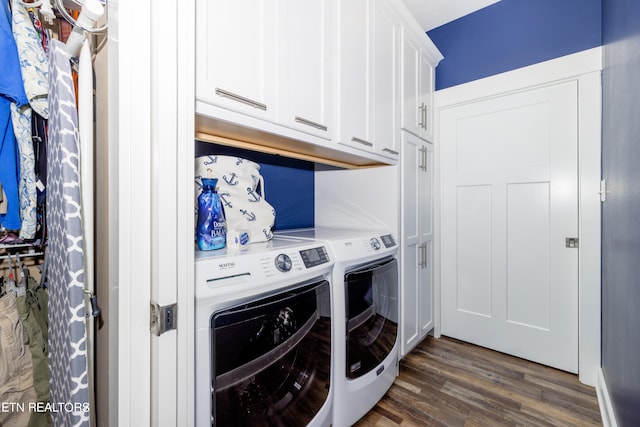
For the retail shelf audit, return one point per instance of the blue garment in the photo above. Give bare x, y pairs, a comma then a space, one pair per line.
11, 90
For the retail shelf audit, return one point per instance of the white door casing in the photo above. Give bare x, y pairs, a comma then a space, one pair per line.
582, 70
150, 227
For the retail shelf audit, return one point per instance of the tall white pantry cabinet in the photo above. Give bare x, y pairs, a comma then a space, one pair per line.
155, 113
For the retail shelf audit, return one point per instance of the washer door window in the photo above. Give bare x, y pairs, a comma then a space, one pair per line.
371, 309
271, 359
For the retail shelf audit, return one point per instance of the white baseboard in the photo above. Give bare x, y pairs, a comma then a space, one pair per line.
604, 401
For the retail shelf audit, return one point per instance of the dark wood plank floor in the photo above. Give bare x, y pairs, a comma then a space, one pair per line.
446, 382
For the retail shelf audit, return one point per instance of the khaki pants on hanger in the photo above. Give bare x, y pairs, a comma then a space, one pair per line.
16, 367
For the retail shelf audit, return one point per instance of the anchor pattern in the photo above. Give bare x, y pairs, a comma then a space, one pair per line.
267, 234
232, 180
241, 191
210, 160
250, 215
254, 196
225, 199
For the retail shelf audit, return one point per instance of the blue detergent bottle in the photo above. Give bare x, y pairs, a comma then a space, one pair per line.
212, 227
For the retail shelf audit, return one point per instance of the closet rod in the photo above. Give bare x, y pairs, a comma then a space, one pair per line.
24, 255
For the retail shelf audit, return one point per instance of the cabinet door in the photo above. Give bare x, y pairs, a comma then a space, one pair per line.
236, 60
417, 87
354, 74
426, 78
411, 158
411, 114
417, 241
305, 74
425, 270
385, 117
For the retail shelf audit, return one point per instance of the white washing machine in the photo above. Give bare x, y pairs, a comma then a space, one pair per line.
366, 343
263, 335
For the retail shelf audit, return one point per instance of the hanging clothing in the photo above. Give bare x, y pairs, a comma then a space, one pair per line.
3, 200
34, 64
11, 90
27, 194
34, 67
33, 316
42, 34
65, 251
16, 368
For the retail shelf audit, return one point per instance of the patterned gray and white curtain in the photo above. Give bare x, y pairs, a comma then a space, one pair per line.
65, 249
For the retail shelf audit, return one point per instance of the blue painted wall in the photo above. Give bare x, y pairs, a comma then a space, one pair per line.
621, 211
289, 184
514, 33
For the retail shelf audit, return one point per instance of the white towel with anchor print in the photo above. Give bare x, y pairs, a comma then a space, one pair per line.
241, 190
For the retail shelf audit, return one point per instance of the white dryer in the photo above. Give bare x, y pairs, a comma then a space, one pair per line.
366, 309
263, 329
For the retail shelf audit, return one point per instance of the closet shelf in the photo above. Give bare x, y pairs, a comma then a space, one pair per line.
24, 249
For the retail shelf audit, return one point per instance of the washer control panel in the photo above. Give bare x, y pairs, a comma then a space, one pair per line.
295, 260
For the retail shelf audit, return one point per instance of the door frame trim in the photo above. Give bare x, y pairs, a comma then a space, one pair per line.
584, 67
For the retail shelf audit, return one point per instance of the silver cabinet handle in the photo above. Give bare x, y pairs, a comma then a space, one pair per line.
423, 256
422, 109
389, 150
361, 141
310, 123
423, 159
425, 155
426, 117
426, 159
236, 97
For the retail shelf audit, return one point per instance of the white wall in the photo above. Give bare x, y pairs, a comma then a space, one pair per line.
358, 199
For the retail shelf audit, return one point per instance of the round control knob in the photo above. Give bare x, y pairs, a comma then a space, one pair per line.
283, 262
375, 243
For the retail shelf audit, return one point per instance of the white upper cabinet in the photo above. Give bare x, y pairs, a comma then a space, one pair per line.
305, 74
236, 55
419, 58
386, 38
354, 74
268, 59
367, 117
322, 78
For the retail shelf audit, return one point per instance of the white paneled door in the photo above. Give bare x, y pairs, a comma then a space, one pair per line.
509, 202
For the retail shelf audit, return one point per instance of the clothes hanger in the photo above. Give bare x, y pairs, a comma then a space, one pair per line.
45, 9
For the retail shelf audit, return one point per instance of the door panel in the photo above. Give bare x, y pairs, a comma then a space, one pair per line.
528, 254
474, 260
510, 198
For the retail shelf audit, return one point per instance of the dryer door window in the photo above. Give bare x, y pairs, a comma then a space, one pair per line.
271, 359
372, 315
